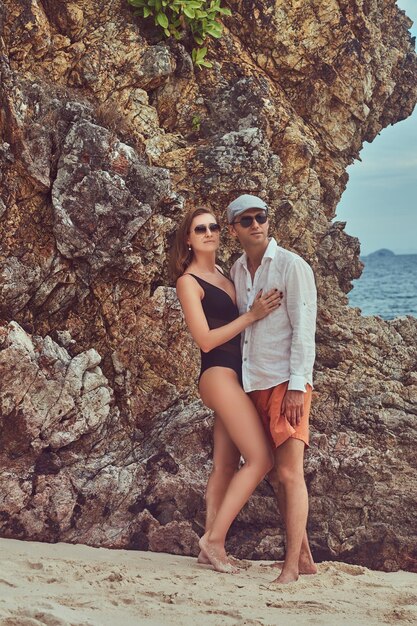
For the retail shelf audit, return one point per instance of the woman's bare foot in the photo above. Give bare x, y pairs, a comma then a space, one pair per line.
203, 558
216, 555
241, 564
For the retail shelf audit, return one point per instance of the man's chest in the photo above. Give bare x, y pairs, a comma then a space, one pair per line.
248, 286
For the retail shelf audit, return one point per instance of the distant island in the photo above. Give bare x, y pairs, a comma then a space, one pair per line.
383, 252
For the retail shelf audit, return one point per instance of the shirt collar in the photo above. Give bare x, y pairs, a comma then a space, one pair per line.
269, 253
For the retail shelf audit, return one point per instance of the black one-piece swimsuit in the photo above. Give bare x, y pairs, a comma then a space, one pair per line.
219, 310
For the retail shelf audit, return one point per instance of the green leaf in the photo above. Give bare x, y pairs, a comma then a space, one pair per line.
146, 12
203, 63
215, 31
200, 53
162, 20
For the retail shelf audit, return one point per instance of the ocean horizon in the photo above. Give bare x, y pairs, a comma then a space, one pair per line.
387, 286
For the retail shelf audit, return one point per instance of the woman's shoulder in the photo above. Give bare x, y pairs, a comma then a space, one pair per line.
187, 282
187, 286
185, 278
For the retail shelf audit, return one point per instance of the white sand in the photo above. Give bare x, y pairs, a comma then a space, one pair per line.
63, 584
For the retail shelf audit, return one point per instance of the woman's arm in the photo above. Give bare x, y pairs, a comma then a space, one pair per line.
190, 295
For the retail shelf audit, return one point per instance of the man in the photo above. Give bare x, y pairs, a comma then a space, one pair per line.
278, 355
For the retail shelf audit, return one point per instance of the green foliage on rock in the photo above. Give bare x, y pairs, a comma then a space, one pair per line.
196, 123
198, 55
177, 17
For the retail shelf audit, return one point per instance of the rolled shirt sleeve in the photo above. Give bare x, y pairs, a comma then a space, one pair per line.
301, 307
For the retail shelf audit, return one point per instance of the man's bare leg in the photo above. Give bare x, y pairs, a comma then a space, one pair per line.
306, 563
226, 459
289, 472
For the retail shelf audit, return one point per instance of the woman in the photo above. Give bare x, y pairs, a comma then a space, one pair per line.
208, 301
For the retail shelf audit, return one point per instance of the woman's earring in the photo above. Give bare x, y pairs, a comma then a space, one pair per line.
189, 247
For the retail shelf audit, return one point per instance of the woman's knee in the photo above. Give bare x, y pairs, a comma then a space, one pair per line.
225, 469
263, 463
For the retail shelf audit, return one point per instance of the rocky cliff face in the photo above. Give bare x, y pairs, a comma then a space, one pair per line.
107, 136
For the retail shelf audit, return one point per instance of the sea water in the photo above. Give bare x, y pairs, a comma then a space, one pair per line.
387, 287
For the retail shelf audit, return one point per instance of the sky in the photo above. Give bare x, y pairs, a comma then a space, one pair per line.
380, 201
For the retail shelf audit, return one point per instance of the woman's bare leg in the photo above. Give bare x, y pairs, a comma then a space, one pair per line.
226, 459
225, 464
221, 391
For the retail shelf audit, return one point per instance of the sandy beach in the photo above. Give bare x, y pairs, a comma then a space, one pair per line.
62, 584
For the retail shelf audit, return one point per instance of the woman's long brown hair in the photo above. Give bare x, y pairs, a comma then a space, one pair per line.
181, 256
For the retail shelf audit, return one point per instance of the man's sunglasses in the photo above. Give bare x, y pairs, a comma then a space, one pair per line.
201, 229
247, 220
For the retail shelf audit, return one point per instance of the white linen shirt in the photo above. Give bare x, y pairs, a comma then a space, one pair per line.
281, 346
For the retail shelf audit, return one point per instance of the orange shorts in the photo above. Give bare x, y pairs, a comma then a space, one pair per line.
278, 429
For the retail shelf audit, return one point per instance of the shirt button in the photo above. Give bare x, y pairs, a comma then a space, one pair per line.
248, 289
245, 359
246, 341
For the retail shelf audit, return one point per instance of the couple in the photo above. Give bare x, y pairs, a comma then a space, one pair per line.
256, 336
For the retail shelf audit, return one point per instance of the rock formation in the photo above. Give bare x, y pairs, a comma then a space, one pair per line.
107, 135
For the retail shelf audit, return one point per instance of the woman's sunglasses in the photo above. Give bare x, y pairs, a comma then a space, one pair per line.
201, 229
247, 220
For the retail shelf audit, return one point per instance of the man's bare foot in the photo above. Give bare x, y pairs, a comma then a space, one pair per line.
306, 565
286, 576
217, 556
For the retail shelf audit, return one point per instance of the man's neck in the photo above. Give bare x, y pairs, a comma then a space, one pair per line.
254, 257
